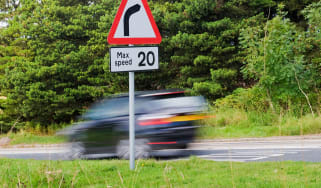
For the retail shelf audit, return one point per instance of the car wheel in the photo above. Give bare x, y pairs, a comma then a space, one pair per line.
76, 150
142, 149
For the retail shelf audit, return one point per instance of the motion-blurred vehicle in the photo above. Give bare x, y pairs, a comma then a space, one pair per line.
163, 120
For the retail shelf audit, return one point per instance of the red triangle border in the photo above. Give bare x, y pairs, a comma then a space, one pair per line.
112, 40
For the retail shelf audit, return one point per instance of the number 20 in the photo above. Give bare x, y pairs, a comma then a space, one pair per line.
150, 58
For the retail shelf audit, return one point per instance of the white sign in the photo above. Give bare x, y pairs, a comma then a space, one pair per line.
128, 59
134, 24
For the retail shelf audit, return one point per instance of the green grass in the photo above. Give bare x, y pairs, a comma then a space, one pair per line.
150, 173
230, 123
31, 138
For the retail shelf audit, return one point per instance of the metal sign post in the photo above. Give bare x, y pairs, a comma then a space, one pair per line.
130, 59
133, 24
132, 120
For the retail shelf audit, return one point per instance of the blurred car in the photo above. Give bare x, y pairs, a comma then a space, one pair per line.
163, 120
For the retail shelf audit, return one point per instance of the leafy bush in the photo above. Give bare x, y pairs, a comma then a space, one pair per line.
278, 59
251, 99
235, 123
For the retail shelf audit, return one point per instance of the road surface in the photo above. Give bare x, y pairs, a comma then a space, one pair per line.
240, 150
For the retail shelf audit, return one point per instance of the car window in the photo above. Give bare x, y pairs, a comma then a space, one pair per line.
180, 104
114, 107
169, 96
108, 108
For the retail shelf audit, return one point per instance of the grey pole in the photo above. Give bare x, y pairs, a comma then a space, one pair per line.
132, 120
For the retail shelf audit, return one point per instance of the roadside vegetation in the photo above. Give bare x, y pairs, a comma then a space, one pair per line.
227, 123
285, 99
193, 172
247, 113
231, 123
258, 62
27, 138
32, 135
54, 59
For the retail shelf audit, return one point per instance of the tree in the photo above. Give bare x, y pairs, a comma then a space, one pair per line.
56, 60
201, 48
276, 59
313, 44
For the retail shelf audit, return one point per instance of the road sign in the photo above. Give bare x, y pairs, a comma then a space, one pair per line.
134, 24
125, 59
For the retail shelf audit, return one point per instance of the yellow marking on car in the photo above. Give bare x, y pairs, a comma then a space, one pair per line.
186, 118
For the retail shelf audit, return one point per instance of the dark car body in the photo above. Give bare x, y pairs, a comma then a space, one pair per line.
163, 120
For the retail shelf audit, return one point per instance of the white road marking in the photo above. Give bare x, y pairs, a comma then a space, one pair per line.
269, 144
265, 157
233, 160
242, 156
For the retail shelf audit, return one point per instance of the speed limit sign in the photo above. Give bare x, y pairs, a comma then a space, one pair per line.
130, 59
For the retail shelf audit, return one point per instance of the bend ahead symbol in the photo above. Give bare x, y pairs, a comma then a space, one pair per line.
132, 10
134, 24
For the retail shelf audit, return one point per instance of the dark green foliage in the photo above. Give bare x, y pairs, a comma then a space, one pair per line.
313, 49
204, 45
58, 66
277, 58
54, 57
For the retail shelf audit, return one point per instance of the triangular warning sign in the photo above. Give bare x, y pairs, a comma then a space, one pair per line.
134, 24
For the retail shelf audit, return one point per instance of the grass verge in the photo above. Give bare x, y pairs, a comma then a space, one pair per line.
231, 123
31, 138
194, 172
228, 123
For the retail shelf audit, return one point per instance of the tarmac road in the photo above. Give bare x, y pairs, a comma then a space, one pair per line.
307, 148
